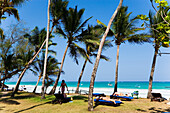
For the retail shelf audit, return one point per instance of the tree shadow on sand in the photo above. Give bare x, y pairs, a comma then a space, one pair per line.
79, 97
155, 110
9, 101
32, 107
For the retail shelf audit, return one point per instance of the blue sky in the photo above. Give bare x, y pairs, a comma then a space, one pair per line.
135, 60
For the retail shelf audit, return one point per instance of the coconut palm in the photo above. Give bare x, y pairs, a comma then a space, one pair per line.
123, 30
159, 41
52, 68
93, 76
8, 6
92, 42
72, 27
46, 50
56, 11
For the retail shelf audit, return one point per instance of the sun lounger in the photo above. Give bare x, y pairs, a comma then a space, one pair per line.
121, 97
105, 102
59, 98
99, 94
157, 97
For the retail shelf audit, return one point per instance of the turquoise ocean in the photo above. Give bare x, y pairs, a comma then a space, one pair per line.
108, 84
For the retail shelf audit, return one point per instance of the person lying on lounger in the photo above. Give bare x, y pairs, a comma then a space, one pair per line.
108, 99
120, 94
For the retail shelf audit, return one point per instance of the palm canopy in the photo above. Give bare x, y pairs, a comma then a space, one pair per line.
123, 29
159, 34
8, 6
56, 10
37, 37
72, 29
91, 39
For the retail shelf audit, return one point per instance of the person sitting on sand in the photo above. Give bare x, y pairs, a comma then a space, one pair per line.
63, 85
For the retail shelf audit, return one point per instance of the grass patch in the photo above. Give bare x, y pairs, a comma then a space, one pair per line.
32, 103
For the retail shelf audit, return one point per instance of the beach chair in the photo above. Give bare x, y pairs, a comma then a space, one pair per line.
157, 97
59, 98
99, 94
135, 93
128, 98
105, 102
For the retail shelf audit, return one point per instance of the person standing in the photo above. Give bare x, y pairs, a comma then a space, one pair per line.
63, 85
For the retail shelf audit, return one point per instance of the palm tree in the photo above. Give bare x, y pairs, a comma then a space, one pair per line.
92, 42
90, 97
8, 6
72, 26
22, 59
123, 30
159, 40
56, 11
46, 51
52, 68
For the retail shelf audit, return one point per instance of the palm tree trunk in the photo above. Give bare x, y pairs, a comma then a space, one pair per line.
2, 85
90, 97
82, 71
18, 83
37, 82
117, 63
58, 76
152, 72
46, 52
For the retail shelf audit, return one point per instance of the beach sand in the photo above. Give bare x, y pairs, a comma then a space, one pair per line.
106, 91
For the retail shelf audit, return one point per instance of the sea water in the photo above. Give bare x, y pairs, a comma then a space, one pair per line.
107, 87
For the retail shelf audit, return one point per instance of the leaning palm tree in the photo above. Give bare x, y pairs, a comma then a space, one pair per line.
159, 41
93, 76
72, 27
123, 30
92, 42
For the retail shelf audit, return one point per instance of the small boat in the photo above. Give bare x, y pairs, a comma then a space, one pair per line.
81, 84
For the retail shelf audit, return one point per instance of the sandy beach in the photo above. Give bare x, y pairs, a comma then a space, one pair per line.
107, 91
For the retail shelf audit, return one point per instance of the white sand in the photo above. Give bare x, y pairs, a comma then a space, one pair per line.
107, 91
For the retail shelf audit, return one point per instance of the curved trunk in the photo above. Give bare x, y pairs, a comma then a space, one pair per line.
37, 82
46, 52
18, 83
90, 97
81, 74
152, 72
58, 76
2, 87
117, 64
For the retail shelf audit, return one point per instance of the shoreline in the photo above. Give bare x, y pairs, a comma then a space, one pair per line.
107, 91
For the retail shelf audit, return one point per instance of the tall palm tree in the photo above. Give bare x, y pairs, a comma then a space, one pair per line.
93, 76
92, 42
123, 30
46, 51
72, 26
52, 68
159, 41
23, 59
